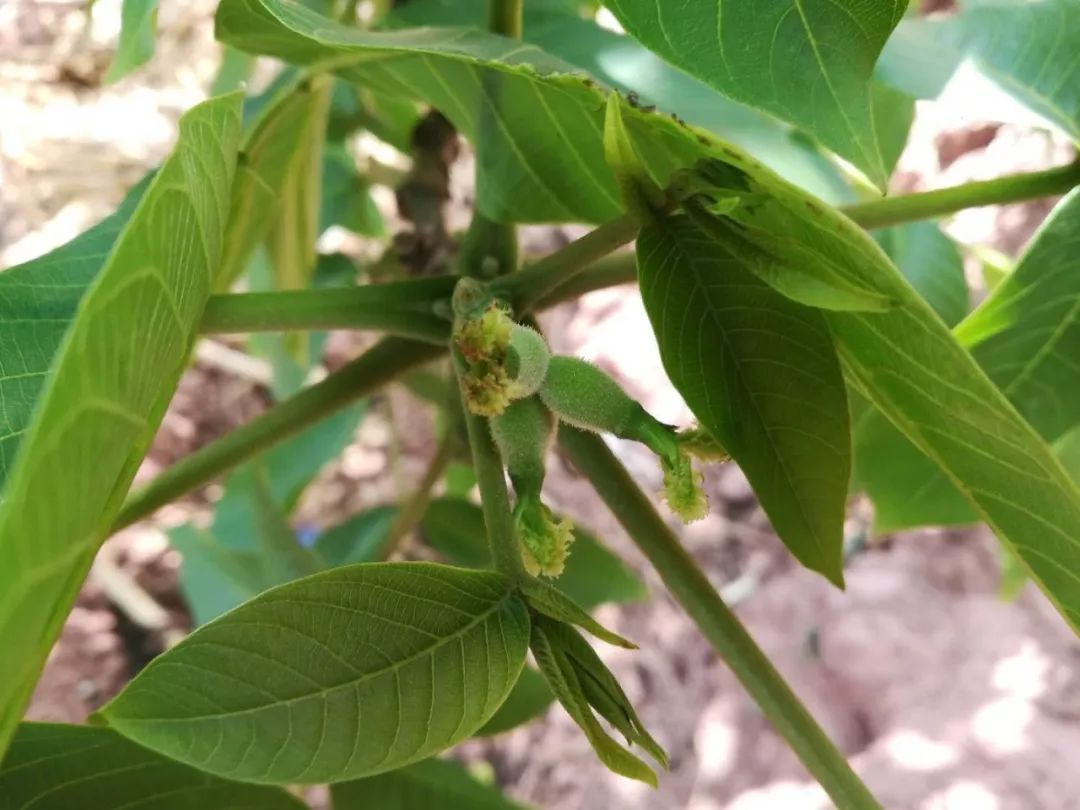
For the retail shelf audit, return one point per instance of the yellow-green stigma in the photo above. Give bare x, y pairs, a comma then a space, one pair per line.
545, 541
682, 489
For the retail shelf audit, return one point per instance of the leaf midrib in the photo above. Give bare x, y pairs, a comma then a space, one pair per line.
481, 618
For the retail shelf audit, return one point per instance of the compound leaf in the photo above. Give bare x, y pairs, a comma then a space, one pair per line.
344, 674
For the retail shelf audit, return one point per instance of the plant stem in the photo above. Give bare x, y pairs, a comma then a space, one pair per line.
931, 204
610, 271
490, 248
402, 308
412, 510
373, 369
527, 287
494, 499
348, 14
716, 621
505, 17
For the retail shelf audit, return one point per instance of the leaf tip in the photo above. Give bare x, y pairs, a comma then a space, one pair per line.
835, 574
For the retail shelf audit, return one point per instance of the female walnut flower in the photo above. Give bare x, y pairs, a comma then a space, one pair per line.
504, 360
584, 396
524, 433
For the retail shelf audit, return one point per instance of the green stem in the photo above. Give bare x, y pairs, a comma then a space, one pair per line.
402, 308
411, 511
494, 498
380, 364
931, 204
490, 248
611, 271
348, 14
529, 286
715, 619
505, 16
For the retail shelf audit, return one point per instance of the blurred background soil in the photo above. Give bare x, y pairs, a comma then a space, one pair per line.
943, 695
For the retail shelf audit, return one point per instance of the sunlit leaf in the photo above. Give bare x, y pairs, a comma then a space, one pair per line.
809, 62
109, 383
1025, 336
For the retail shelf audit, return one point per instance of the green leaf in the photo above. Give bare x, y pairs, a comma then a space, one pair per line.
640, 195
622, 63
932, 264
57, 767
138, 28
357, 539
1027, 48
1024, 336
434, 784
346, 196
213, 577
234, 70
602, 690
295, 226
914, 370
563, 676
345, 674
794, 270
551, 169
108, 387
231, 561
530, 697
38, 301
547, 599
279, 548
894, 113
593, 575
291, 466
903, 483
913, 63
906, 487
278, 151
809, 62
760, 373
